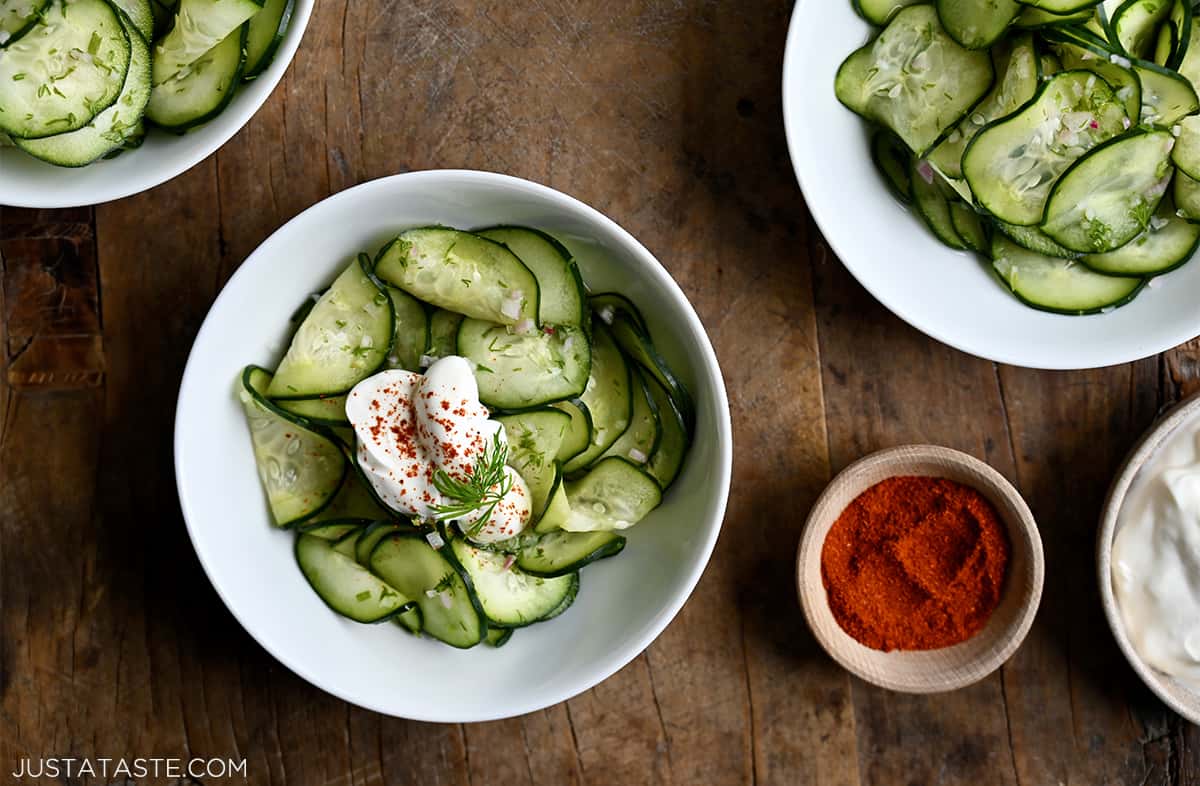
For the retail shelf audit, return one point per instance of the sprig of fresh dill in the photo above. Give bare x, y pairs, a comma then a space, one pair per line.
481, 491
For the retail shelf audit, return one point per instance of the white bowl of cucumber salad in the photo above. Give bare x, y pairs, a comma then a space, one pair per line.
463, 406
1020, 181
119, 96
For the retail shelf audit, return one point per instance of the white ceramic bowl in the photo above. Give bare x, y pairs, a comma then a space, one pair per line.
624, 603
27, 182
951, 296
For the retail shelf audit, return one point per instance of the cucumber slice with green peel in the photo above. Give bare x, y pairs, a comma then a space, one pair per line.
450, 610
443, 333
343, 340
932, 200
18, 17
1166, 244
562, 295
510, 598
374, 532
1012, 164
332, 531
557, 509
568, 601
607, 305
141, 16
64, 71
914, 79
201, 91
353, 502
608, 397
1050, 64
579, 434
1063, 286
1135, 24
1080, 50
977, 24
346, 587
968, 227
301, 470
411, 336
1165, 45
1062, 7
880, 12
498, 637
566, 553
894, 162
1175, 35
109, 130
1107, 197
640, 440
1016, 66
200, 26
667, 459
1189, 63
1101, 22
637, 345
328, 411
519, 371
1186, 153
1167, 97
1185, 193
265, 34
1035, 240
1032, 18
346, 544
410, 620
463, 272
534, 438
614, 494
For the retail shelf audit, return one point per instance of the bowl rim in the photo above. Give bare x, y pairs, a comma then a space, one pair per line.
709, 369
238, 113
1162, 429
1024, 525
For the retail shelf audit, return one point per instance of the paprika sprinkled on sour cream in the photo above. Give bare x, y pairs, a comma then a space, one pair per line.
411, 425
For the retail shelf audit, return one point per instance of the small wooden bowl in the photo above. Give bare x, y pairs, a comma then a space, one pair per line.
1176, 695
928, 671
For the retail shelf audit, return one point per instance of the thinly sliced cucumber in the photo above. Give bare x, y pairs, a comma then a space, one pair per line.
1016, 65
607, 305
1032, 18
200, 26
563, 299
636, 344
1035, 240
894, 162
614, 494
968, 226
1013, 163
462, 272
578, 434
534, 438
880, 12
640, 440
1050, 64
977, 24
332, 531
346, 587
142, 17
109, 129
1107, 197
1080, 52
410, 620
608, 397
353, 502
558, 508
202, 90
1063, 286
509, 597
17, 17
519, 371
1178, 32
443, 332
932, 199
301, 470
1186, 153
1189, 63
1167, 97
328, 411
1166, 244
64, 71
450, 611
343, 340
568, 601
564, 553
1135, 25
914, 79
667, 459
164, 16
266, 32
1186, 195
1101, 22
374, 532
1061, 7
345, 545
411, 336
498, 637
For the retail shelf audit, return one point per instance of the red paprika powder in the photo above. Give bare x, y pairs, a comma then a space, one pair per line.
915, 563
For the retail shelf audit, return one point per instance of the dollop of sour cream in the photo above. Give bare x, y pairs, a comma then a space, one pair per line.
1156, 559
411, 425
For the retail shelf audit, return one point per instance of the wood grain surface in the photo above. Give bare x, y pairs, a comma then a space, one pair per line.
664, 114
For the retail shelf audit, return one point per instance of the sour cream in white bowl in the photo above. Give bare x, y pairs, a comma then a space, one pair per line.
624, 602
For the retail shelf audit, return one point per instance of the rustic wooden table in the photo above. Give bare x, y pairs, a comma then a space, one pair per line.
666, 116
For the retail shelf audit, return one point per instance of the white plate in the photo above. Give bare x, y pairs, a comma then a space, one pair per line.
624, 602
27, 182
948, 295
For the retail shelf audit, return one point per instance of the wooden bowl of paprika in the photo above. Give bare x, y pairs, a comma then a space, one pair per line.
920, 569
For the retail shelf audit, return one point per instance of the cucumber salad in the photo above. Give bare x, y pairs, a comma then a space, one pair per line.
458, 428
81, 79
1060, 139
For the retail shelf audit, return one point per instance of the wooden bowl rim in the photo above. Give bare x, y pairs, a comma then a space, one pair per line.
969, 661
1176, 695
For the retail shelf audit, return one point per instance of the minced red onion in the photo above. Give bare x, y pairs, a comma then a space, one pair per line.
925, 170
509, 560
525, 326
637, 455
